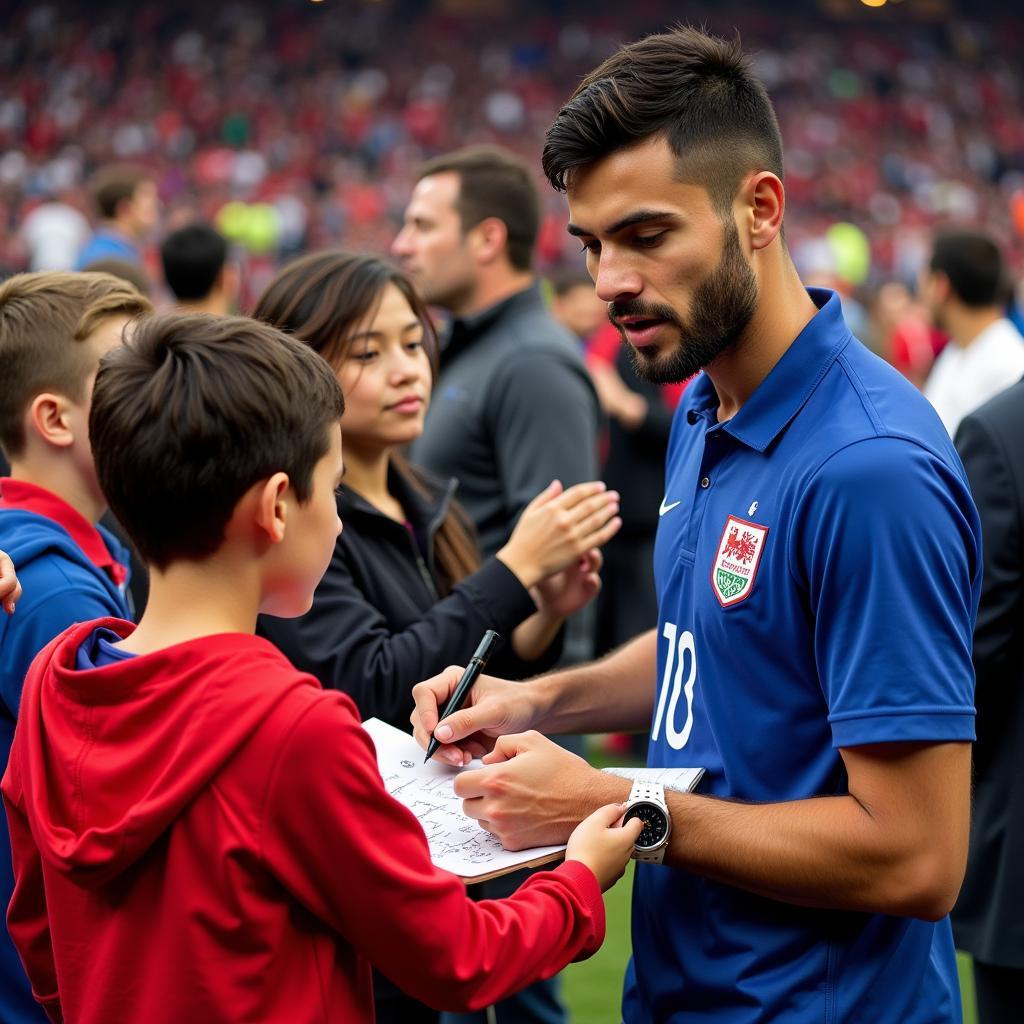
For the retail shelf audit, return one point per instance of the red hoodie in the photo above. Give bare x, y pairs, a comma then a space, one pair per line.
201, 834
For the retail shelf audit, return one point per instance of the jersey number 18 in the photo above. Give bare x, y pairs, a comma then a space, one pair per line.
681, 655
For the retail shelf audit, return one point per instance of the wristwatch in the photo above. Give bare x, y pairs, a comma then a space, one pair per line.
647, 802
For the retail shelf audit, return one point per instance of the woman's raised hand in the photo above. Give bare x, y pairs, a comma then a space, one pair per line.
559, 526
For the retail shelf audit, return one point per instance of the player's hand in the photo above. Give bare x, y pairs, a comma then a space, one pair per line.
10, 588
532, 792
604, 844
557, 527
494, 707
566, 592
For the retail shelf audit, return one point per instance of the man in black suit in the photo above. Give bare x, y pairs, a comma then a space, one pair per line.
988, 920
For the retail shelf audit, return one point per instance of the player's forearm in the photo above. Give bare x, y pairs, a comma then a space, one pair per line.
824, 852
614, 693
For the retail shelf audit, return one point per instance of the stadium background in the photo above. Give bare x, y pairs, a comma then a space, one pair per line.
299, 124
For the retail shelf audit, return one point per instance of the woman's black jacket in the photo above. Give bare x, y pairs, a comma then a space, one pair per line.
378, 625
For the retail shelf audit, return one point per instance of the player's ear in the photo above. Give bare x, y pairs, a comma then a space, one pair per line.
763, 198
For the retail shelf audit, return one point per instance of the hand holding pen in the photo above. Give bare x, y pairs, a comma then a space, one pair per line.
472, 672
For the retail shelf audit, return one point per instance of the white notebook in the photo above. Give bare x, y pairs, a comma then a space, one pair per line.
684, 780
457, 843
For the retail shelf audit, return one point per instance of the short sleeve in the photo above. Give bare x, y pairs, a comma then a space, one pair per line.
886, 544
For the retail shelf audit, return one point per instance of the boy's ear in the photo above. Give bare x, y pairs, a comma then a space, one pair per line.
48, 417
272, 506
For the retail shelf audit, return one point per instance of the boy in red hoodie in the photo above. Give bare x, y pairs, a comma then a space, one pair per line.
200, 832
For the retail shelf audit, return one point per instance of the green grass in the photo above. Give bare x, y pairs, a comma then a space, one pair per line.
593, 989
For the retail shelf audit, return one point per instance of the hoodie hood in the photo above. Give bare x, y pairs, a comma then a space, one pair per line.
109, 757
28, 536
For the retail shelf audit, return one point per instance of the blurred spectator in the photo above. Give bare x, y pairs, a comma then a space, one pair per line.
54, 233
197, 271
575, 304
310, 118
127, 205
965, 291
130, 272
988, 920
903, 332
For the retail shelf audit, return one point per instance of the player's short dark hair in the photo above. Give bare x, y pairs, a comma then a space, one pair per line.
494, 183
45, 320
697, 90
193, 258
973, 264
114, 184
195, 409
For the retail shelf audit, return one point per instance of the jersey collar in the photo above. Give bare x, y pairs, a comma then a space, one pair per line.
782, 394
29, 498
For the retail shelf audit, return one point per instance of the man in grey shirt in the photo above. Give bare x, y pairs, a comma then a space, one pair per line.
513, 407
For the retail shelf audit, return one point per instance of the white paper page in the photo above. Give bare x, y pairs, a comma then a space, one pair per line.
683, 780
457, 843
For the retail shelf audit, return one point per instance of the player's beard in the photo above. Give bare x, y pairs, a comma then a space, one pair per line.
722, 306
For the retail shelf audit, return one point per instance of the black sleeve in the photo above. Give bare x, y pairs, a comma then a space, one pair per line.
987, 464
544, 423
349, 645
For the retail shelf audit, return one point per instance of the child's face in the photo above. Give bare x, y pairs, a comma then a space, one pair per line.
108, 335
385, 376
311, 531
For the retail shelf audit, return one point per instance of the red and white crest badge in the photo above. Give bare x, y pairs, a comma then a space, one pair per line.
735, 566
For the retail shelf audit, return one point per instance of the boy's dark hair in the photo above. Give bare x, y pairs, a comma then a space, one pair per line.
697, 90
112, 185
193, 257
191, 412
44, 319
973, 264
494, 183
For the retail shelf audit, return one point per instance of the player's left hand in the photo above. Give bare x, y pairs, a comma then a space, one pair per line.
564, 593
533, 792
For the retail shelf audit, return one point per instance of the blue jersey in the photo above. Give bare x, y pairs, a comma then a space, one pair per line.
818, 571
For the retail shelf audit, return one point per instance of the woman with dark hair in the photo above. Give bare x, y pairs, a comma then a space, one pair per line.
405, 594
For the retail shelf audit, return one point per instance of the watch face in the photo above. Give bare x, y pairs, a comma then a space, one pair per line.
655, 824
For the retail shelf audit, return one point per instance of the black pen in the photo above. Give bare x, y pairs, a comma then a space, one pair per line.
462, 687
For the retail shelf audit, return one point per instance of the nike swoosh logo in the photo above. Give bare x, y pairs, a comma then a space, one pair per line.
663, 508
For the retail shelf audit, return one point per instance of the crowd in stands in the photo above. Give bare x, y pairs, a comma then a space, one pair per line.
293, 127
